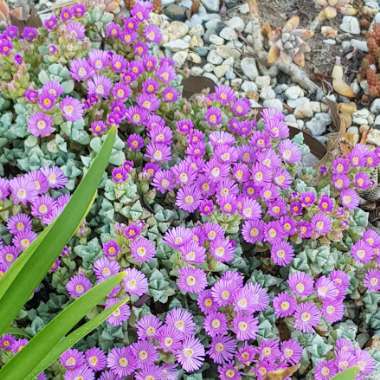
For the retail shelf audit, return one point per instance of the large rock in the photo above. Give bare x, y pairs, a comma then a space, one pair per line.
228, 34
375, 106
175, 12
211, 5
214, 58
177, 45
236, 23
249, 68
350, 25
319, 123
177, 30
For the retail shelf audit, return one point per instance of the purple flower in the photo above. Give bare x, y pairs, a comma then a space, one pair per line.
80, 69
145, 353
83, 372
301, 284
291, 351
119, 175
29, 33
169, 339
306, 317
282, 253
120, 315
121, 361
372, 280
19, 223
43, 207
251, 298
192, 253
98, 127
228, 372
362, 252
22, 190
222, 349
153, 34
46, 100
7, 341
215, 324
55, 177
148, 327
78, 10
72, 359
142, 250
22, 240
40, 124
75, 30
325, 370
188, 198
225, 95
113, 30
66, 14
244, 326
213, 116
332, 310
72, 109
326, 204
135, 282
177, 236
284, 305
253, 231
191, 354
349, 199
96, 359
100, 85
8, 254
326, 289
111, 249
321, 224
289, 152
191, 280
206, 302
170, 95
104, 268
78, 285
181, 320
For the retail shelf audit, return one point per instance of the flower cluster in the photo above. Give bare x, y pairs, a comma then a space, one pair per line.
27, 200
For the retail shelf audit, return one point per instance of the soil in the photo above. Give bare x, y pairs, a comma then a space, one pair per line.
321, 59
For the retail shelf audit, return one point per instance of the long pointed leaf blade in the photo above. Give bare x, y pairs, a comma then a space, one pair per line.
21, 365
35, 269
348, 374
75, 337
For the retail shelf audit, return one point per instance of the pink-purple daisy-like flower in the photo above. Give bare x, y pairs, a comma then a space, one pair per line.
135, 282
222, 349
121, 361
40, 124
302, 284
78, 285
306, 317
284, 305
72, 109
191, 280
142, 250
96, 359
244, 326
191, 354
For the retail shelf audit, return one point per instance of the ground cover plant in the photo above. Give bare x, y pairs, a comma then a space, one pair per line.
238, 261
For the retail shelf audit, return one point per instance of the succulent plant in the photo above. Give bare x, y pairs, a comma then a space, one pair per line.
289, 43
370, 69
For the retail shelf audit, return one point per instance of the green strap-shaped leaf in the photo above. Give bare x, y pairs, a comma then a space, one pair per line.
75, 337
348, 374
22, 365
34, 269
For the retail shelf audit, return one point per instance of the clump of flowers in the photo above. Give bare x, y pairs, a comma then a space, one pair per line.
239, 261
28, 207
